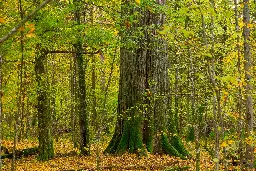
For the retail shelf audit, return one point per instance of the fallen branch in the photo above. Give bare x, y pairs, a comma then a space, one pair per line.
21, 153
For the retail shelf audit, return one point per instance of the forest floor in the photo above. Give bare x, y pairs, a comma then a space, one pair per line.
68, 159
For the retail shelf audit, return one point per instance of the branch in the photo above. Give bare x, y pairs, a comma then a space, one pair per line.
63, 51
15, 29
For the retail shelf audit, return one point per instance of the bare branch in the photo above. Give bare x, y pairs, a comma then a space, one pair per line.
22, 22
63, 51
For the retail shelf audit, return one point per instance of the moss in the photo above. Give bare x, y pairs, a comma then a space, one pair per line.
132, 137
172, 128
148, 134
191, 134
178, 145
149, 145
123, 144
112, 146
168, 148
46, 150
137, 137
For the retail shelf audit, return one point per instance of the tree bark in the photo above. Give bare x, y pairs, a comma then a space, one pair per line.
1, 95
240, 98
21, 86
143, 88
248, 87
46, 150
83, 118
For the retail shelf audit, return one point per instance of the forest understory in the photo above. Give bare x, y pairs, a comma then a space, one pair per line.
67, 158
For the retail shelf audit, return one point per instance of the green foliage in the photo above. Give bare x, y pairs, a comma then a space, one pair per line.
104, 29
190, 134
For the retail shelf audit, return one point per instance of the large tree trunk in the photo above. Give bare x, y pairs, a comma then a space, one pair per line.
143, 88
46, 150
84, 131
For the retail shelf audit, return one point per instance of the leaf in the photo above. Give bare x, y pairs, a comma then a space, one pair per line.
31, 30
165, 30
116, 32
230, 142
249, 140
127, 24
30, 35
249, 25
224, 144
219, 128
138, 2
2, 20
31, 25
215, 160
21, 28
187, 33
208, 55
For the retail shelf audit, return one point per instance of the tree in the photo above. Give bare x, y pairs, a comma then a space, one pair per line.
1, 94
45, 148
239, 98
248, 87
143, 85
84, 131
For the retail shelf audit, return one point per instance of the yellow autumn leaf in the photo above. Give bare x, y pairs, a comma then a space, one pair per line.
21, 28
116, 32
249, 25
219, 128
224, 144
249, 140
138, 2
31, 30
241, 24
2, 20
30, 35
31, 25
235, 115
230, 142
149, 8
165, 30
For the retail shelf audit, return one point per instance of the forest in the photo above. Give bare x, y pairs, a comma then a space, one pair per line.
127, 85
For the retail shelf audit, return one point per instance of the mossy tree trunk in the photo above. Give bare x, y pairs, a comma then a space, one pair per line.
83, 118
46, 150
143, 87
